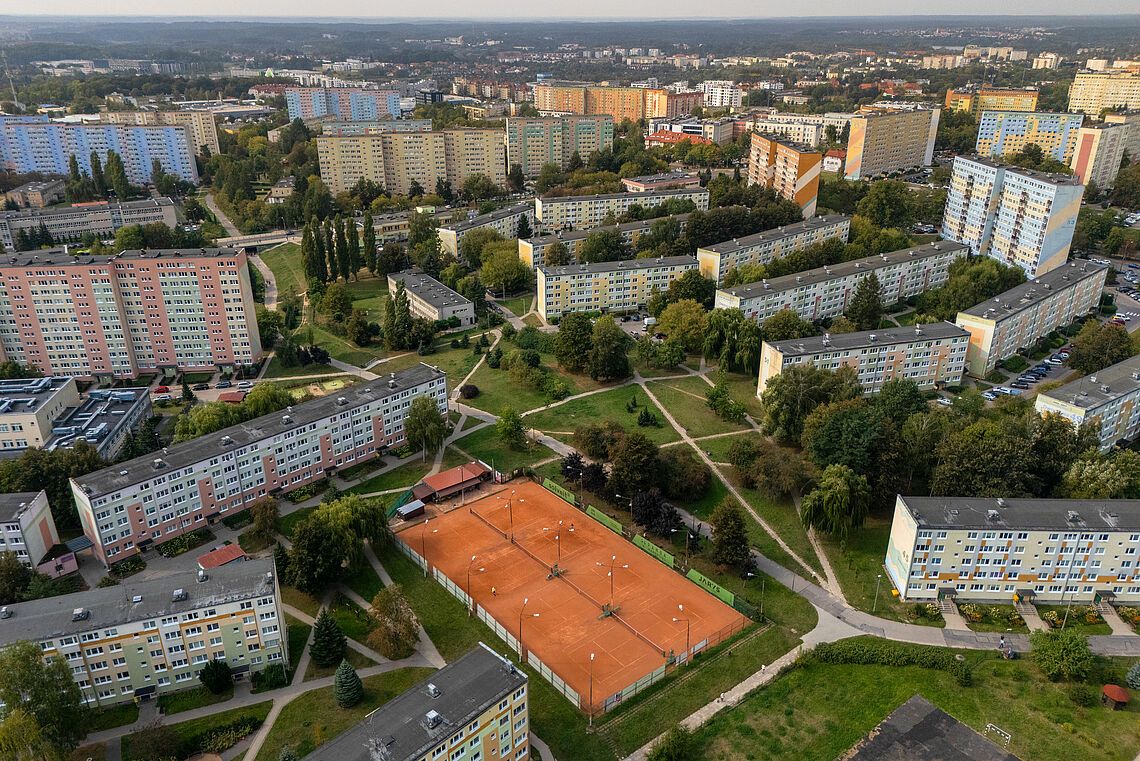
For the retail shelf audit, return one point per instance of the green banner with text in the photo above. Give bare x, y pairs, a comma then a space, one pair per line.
603, 519
653, 550
566, 494
710, 586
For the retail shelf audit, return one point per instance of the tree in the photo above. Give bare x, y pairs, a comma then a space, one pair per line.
511, 430
472, 245
216, 676
1061, 654
523, 232
516, 180
786, 325
265, 519
793, 394
347, 687
692, 285
573, 342
22, 739
155, 741
392, 258
556, 254
684, 322
312, 566
684, 477
887, 204
97, 178
425, 427
606, 245
634, 466
645, 506
900, 398
397, 628
840, 502
270, 326
329, 642
729, 535
369, 242
354, 259
502, 270
984, 459
609, 359
478, 186
1099, 345
14, 578
678, 744
866, 306
44, 689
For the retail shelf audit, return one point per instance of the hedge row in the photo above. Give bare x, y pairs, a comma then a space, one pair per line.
879, 653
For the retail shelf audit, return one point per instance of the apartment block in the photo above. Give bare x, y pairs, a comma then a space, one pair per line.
634, 103
108, 317
1099, 153
37, 194
581, 212
824, 292
1052, 551
1108, 397
1019, 217
348, 103
808, 129
27, 528
791, 170
72, 223
473, 708
662, 181
620, 286
532, 251
29, 408
721, 93
397, 159
977, 100
671, 104
131, 506
715, 261
503, 221
334, 127
533, 143
103, 418
1016, 319
143, 638
930, 355
203, 130
430, 299
1130, 120
46, 147
1095, 91
882, 142
1002, 133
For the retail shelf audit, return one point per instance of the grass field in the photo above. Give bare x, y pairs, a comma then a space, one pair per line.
298, 633
718, 449
817, 711
99, 719
187, 700
497, 390
303, 602
407, 474
188, 729
314, 718
781, 515
288, 270
290, 521
341, 348
364, 581
356, 660
742, 388
685, 400
519, 305
484, 445
455, 362
351, 618
598, 408
1076, 619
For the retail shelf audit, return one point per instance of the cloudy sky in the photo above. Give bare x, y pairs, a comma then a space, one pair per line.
382, 9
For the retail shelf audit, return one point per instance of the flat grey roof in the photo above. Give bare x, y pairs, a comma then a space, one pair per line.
867, 264
778, 233
868, 338
36, 185
50, 618
1039, 288
466, 687
919, 729
100, 415
26, 395
428, 288
56, 210
178, 456
641, 224
631, 196
800, 147
1101, 387
1025, 514
663, 177
61, 257
11, 503
1056, 179
486, 219
623, 264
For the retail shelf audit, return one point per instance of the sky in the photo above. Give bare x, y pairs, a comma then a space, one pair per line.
590, 9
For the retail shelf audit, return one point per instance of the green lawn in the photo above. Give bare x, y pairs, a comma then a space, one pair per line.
277, 370
305, 603
519, 305
99, 719
457, 363
484, 445
288, 270
407, 474
718, 448
341, 348
188, 729
1076, 619
364, 581
782, 517
533, 320
298, 633
497, 390
356, 660
685, 400
857, 565
742, 388
598, 408
351, 618
290, 521
187, 700
818, 711
314, 717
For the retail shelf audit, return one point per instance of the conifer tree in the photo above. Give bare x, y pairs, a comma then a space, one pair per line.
347, 688
369, 243
328, 641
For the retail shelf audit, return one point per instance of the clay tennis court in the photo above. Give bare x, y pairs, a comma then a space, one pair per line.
570, 624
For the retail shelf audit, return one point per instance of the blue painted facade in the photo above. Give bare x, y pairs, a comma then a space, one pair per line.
347, 103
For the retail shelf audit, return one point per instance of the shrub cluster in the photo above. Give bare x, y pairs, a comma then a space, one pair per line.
872, 652
219, 738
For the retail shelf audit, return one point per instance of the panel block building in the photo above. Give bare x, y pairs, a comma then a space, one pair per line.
930, 355
532, 251
882, 142
761, 248
142, 502
1014, 320
1020, 217
140, 639
27, 527
581, 212
430, 299
1095, 91
1099, 153
348, 103
1045, 550
203, 130
1006, 132
503, 221
534, 142
791, 170
621, 286
72, 223
1108, 397
977, 100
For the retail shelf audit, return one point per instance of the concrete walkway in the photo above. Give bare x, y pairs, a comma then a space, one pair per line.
223, 220
270, 284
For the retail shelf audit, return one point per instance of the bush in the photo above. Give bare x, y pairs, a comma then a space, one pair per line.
184, 543
883, 653
1062, 654
1083, 695
218, 739
128, 567
216, 676
107, 581
1133, 677
269, 678
468, 391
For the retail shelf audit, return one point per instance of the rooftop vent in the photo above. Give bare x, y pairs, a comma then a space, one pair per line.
433, 719
872, 337
158, 463
136, 599
5, 613
202, 576
918, 330
340, 401
1001, 502
1104, 389
287, 419
178, 595
80, 614
1073, 516
123, 472
434, 691
993, 515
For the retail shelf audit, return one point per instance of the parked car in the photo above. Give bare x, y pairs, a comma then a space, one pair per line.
944, 402
162, 390
245, 385
989, 395
224, 384
1055, 360
200, 386
163, 398
1019, 384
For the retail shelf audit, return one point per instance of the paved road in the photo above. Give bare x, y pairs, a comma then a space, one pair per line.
223, 220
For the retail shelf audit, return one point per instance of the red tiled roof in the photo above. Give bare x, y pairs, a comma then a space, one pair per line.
448, 478
1116, 693
668, 137
221, 556
836, 153
231, 397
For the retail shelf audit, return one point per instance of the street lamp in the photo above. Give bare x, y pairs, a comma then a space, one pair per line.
558, 543
470, 600
613, 564
511, 512
749, 575
591, 690
688, 628
522, 651
423, 543
878, 580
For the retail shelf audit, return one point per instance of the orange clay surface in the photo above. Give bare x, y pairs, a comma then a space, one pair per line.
570, 625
